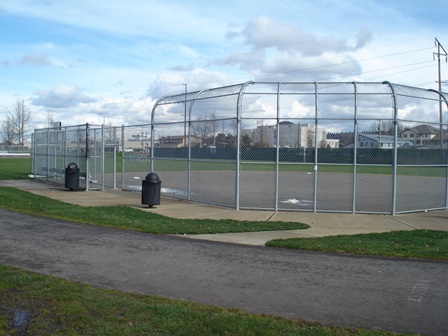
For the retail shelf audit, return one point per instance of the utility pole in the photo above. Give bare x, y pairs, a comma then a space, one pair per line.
440, 52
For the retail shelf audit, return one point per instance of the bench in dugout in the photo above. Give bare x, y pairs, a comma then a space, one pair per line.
60, 173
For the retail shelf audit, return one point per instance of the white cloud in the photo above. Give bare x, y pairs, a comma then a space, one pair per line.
38, 60
62, 96
265, 32
282, 51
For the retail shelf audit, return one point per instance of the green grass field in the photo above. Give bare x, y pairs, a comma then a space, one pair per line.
54, 306
425, 244
15, 168
19, 168
129, 219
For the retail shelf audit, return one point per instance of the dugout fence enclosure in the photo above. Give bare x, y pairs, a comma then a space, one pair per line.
312, 146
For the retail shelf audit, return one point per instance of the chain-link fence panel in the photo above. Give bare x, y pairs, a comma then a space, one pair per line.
135, 156
334, 173
296, 187
112, 157
257, 185
422, 160
171, 152
339, 147
15, 150
421, 188
213, 182
55, 148
174, 176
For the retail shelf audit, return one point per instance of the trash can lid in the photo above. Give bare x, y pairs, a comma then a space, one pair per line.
153, 177
72, 166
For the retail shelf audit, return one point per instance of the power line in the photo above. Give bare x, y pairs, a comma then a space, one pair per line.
308, 69
345, 63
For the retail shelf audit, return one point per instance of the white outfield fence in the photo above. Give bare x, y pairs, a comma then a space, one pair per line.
320, 147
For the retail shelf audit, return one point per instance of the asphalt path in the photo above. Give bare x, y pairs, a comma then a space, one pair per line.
398, 295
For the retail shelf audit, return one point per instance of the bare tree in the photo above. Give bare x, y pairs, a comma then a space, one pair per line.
9, 137
385, 127
214, 125
50, 120
110, 133
201, 129
310, 139
234, 126
17, 123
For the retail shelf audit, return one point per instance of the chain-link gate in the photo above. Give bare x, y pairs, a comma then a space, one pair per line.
321, 147
92, 148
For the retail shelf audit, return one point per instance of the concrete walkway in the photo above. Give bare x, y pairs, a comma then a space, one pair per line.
322, 224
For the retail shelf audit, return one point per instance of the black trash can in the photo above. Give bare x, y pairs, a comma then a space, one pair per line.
72, 176
151, 187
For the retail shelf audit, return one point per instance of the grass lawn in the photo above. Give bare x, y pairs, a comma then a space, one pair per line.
15, 168
19, 168
127, 218
53, 306
425, 244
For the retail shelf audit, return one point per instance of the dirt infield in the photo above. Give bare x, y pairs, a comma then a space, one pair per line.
335, 192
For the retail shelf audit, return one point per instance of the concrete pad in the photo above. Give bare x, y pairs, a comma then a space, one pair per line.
334, 220
202, 211
431, 220
261, 238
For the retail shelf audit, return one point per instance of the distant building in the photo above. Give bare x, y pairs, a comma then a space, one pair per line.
176, 141
292, 136
137, 142
424, 135
436, 140
173, 141
377, 141
420, 135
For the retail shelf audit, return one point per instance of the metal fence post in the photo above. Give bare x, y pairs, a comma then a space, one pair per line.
33, 156
355, 146
277, 149
239, 103
122, 158
48, 155
316, 102
103, 157
395, 157
115, 159
189, 145
87, 157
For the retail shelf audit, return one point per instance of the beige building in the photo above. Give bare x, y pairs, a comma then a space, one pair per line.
292, 136
420, 135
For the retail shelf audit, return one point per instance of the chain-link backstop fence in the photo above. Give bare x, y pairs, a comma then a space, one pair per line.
335, 147
92, 148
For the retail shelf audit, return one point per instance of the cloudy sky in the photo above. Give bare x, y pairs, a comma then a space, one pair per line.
110, 60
